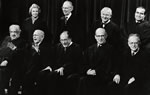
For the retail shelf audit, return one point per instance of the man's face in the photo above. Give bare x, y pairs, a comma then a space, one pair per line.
35, 12
65, 41
37, 37
105, 16
67, 8
139, 14
100, 37
14, 34
133, 43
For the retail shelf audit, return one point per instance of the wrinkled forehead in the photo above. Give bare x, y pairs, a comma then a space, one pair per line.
106, 11
133, 39
100, 31
35, 9
64, 35
38, 33
141, 10
14, 28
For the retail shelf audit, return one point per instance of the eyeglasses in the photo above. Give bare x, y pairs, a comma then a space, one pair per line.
14, 31
66, 8
133, 42
100, 35
63, 39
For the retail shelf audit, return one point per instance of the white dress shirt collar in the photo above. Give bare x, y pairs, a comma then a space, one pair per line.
134, 52
68, 16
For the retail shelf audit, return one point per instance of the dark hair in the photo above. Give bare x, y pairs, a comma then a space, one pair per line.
68, 33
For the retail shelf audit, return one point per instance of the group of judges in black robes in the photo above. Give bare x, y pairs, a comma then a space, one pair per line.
116, 61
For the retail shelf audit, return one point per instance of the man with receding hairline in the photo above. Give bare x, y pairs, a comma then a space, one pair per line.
37, 58
69, 22
134, 67
68, 57
67, 9
98, 61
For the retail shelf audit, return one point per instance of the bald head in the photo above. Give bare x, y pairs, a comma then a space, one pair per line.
100, 31
100, 35
67, 7
64, 34
65, 39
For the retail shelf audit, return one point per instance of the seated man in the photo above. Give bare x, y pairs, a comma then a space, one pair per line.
68, 57
135, 67
98, 61
10, 58
35, 58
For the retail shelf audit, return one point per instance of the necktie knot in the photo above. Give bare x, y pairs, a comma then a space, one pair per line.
99, 45
66, 18
133, 53
65, 48
103, 25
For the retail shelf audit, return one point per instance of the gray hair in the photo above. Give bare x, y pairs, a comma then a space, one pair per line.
16, 27
135, 35
107, 9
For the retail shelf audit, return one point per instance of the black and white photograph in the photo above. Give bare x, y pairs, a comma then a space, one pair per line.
74, 47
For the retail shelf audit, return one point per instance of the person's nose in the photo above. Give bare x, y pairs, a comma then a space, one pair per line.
100, 38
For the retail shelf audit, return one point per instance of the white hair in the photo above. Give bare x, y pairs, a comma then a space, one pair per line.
107, 9
16, 27
69, 2
39, 32
134, 35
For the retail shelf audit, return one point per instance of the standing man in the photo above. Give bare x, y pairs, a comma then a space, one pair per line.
69, 22
97, 69
140, 26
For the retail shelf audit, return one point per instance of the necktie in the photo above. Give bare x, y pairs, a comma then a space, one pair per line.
65, 49
133, 53
66, 18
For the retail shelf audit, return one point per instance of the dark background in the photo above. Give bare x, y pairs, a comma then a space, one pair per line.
15, 11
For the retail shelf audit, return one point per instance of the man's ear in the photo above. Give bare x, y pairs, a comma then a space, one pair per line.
95, 36
144, 16
71, 8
